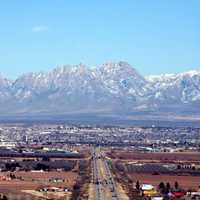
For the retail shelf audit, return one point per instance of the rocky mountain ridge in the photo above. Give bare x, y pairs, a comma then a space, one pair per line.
109, 88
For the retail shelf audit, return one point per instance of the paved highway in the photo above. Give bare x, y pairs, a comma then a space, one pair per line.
105, 187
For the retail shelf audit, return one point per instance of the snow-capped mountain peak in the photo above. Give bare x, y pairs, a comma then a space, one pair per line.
113, 86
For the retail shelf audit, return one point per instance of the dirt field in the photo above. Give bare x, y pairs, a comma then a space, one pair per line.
33, 180
43, 177
186, 182
161, 157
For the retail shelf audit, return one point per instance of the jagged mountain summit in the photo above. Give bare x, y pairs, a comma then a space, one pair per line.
114, 88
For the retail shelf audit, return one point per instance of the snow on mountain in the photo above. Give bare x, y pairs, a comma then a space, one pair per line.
122, 79
77, 86
183, 87
30, 85
111, 87
5, 86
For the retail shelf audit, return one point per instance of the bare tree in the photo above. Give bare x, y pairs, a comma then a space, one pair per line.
137, 185
176, 185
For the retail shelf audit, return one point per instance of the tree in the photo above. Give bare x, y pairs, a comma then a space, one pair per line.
12, 176
4, 197
176, 185
137, 185
41, 166
11, 166
161, 187
168, 188
20, 151
45, 158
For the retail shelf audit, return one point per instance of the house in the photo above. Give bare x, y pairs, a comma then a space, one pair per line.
57, 180
5, 178
149, 191
157, 197
147, 187
178, 194
53, 189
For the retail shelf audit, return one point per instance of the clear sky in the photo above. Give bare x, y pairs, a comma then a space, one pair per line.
155, 36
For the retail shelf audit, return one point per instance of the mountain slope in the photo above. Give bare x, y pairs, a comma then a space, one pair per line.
112, 88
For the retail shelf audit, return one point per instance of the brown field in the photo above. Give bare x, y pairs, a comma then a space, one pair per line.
33, 180
185, 182
161, 157
43, 177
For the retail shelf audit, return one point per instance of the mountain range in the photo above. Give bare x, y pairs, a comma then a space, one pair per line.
114, 89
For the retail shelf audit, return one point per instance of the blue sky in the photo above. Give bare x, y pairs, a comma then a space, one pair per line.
154, 36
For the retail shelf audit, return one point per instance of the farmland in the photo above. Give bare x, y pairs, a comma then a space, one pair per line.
41, 184
156, 157
186, 182
33, 180
153, 169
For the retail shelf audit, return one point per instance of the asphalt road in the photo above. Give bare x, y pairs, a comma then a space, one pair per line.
104, 183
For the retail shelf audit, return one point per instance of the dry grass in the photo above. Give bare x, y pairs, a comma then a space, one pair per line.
32, 180
159, 157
